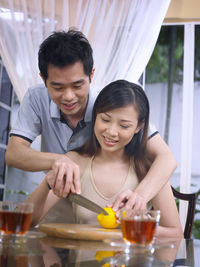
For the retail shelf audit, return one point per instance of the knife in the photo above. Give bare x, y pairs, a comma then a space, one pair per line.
86, 203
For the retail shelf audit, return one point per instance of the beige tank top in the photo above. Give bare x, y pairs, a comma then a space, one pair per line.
90, 191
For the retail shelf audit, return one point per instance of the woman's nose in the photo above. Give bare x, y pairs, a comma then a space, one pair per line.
112, 130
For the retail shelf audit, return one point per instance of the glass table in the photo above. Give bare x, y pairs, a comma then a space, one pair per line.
59, 252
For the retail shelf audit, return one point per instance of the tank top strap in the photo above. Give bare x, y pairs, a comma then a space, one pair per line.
87, 171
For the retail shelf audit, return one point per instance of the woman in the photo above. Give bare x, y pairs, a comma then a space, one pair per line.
114, 159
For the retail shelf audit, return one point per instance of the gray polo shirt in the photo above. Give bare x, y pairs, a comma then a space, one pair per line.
39, 115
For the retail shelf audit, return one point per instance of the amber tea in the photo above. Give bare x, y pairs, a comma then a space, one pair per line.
15, 218
139, 228
140, 232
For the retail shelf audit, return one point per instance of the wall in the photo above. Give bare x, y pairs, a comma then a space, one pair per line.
157, 96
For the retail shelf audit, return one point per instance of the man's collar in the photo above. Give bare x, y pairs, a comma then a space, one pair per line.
92, 97
54, 110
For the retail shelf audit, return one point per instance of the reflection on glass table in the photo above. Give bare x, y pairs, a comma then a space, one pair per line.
58, 252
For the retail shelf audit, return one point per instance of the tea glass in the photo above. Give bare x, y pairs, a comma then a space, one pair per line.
139, 227
15, 219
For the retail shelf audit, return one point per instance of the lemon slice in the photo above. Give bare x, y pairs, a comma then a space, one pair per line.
108, 221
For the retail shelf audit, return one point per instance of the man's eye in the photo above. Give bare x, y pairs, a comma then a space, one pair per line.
77, 86
57, 88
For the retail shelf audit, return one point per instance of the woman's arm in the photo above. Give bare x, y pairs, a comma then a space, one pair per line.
43, 199
170, 225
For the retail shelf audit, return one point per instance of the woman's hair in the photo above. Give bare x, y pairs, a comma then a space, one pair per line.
115, 95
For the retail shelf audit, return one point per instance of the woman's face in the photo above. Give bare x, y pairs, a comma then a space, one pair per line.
114, 129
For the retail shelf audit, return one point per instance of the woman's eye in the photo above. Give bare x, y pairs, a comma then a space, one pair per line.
124, 126
105, 120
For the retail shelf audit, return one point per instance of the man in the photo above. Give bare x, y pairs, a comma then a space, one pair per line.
61, 112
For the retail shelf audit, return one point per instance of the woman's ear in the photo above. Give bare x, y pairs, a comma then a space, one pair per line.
139, 127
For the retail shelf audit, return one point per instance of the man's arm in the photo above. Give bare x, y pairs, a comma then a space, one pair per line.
163, 165
20, 155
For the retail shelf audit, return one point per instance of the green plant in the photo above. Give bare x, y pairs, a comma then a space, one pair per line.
196, 225
15, 192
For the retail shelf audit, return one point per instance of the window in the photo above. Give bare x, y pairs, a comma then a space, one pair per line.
6, 96
164, 87
173, 88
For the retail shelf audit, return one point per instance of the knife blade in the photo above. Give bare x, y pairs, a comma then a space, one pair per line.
86, 203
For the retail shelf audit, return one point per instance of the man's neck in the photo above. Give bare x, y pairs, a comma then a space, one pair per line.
73, 120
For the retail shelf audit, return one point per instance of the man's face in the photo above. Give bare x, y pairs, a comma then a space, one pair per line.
69, 88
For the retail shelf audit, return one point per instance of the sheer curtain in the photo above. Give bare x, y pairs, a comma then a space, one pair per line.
122, 33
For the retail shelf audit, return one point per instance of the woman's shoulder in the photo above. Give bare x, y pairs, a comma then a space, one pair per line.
80, 160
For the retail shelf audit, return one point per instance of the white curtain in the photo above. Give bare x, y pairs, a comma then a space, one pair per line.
123, 34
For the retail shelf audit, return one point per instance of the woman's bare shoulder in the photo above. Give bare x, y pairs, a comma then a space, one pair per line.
80, 160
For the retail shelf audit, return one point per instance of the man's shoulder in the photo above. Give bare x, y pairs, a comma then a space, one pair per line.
38, 93
38, 90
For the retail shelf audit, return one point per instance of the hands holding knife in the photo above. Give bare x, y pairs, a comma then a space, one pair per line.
64, 180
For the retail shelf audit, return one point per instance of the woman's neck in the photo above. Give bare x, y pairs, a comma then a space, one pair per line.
117, 156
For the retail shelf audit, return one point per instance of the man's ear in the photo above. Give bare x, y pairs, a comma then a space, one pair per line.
92, 74
42, 77
139, 127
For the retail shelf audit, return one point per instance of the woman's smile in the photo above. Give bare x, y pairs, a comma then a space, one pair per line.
109, 141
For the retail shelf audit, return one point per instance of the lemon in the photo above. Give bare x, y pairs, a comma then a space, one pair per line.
100, 255
106, 265
107, 221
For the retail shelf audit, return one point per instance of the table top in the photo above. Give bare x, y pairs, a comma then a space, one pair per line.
52, 251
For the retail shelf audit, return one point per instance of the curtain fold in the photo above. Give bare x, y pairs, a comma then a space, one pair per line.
123, 34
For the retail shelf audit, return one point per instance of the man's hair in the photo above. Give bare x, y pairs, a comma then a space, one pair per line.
65, 48
115, 95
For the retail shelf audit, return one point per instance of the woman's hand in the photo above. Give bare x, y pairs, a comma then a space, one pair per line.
129, 200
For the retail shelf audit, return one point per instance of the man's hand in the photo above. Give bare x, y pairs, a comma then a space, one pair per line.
64, 177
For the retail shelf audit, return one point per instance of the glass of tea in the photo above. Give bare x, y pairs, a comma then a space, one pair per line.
15, 218
139, 227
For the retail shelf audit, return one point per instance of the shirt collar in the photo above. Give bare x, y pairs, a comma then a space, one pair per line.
54, 110
91, 100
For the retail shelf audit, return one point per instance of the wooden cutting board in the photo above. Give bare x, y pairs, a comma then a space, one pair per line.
79, 231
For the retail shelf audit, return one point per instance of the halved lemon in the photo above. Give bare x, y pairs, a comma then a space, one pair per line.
108, 221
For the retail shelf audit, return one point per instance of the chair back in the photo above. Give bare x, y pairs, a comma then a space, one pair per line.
191, 198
